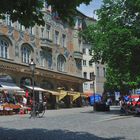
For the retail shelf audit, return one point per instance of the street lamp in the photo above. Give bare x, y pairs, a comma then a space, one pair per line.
32, 67
93, 78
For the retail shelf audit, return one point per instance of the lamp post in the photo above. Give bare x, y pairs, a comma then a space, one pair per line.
93, 78
32, 67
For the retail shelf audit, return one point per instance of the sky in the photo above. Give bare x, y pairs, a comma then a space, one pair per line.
88, 9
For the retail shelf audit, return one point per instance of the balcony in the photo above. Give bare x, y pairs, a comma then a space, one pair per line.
78, 55
44, 42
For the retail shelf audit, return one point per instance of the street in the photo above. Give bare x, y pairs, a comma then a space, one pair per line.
71, 124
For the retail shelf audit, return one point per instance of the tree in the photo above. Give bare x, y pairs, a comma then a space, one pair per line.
115, 39
29, 12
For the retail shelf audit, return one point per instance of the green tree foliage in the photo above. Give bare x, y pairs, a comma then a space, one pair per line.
116, 40
28, 12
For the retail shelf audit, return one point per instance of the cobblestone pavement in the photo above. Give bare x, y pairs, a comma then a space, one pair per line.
71, 124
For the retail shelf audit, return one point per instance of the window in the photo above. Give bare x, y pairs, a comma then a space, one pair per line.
91, 75
91, 86
78, 63
49, 60
26, 53
84, 62
7, 20
42, 59
48, 27
90, 52
61, 63
80, 43
98, 71
42, 32
84, 51
56, 37
85, 75
63, 40
3, 48
85, 86
104, 72
20, 27
31, 30
90, 63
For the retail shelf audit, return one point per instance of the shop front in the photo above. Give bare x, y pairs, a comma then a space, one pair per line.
43, 80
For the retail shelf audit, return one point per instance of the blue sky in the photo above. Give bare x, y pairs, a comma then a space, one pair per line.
88, 9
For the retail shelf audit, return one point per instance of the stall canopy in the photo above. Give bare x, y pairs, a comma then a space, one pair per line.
9, 86
36, 88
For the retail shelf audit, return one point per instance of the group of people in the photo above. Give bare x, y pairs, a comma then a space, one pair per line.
129, 105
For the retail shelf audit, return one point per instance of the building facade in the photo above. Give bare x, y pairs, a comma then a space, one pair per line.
55, 49
88, 68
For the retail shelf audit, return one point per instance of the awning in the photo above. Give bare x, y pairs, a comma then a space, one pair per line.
62, 94
88, 94
74, 95
52, 92
36, 88
9, 86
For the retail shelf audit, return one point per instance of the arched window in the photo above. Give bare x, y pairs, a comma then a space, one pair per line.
26, 53
61, 61
4, 48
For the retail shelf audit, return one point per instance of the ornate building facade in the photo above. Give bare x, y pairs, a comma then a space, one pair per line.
55, 49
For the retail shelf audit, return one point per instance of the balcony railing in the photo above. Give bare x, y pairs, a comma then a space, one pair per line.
45, 42
78, 55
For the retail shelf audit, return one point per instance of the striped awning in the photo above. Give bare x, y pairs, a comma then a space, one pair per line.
36, 88
9, 86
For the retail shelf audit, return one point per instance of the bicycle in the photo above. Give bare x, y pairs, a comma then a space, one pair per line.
39, 110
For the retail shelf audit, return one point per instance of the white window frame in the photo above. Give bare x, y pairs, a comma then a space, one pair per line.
26, 54
4, 48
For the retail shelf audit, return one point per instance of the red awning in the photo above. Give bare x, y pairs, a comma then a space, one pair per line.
88, 94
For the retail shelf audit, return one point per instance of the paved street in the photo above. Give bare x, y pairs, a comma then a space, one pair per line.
71, 124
